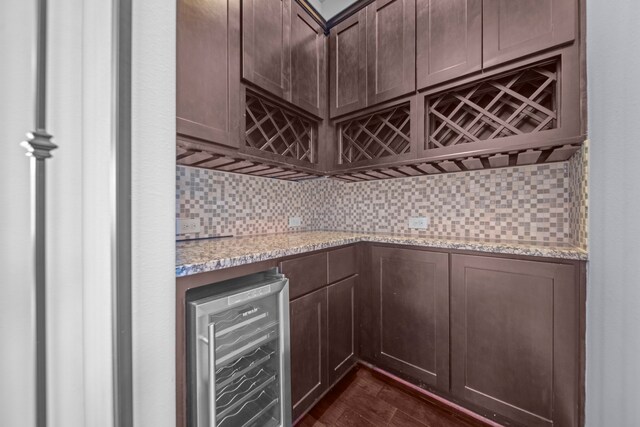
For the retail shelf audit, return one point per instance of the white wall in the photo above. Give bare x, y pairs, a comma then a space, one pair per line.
16, 117
613, 293
154, 62
65, 230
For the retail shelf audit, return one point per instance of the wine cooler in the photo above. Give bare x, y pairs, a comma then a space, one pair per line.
238, 353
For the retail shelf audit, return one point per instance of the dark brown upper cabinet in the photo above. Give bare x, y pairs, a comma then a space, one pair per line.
515, 338
308, 62
284, 53
208, 71
391, 44
411, 306
448, 40
341, 331
308, 350
517, 28
413, 87
372, 56
266, 45
348, 76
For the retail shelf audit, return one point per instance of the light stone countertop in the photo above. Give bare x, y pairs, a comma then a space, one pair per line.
200, 256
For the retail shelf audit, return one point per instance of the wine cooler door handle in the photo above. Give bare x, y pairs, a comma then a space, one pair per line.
212, 374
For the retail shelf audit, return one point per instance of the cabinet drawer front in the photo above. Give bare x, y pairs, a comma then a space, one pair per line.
342, 263
305, 274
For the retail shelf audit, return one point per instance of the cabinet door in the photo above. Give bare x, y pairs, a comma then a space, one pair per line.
308, 62
347, 48
411, 304
266, 48
514, 338
449, 39
516, 28
341, 331
208, 70
391, 49
308, 319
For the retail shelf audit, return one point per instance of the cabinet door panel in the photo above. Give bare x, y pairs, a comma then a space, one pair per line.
411, 291
208, 70
266, 48
341, 332
391, 39
449, 39
516, 28
348, 61
308, 318
308, 62
514, 338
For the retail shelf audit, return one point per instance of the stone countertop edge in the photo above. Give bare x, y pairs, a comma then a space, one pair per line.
526, 249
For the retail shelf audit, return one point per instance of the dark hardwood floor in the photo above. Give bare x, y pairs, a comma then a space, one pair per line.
365, 398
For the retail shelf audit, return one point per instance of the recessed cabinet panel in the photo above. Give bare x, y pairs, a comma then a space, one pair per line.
449, 40
308, 62
516, 28
411, 291
208, 70
391, 62
514, 332
348, 61
308, 350
266, 48
341, 333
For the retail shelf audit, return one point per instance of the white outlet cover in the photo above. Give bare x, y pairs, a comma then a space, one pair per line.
295, 221
419, 222
187, 225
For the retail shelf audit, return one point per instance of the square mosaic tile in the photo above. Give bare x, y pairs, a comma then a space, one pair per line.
579, 197
538, 203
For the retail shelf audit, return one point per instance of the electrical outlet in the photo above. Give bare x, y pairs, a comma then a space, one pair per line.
295, 221
187, 225
420, 222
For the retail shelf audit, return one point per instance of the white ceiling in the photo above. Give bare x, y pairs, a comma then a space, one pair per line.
330, 8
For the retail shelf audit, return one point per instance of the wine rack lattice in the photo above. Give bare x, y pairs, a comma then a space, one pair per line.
275, 129
517, 103
381, 134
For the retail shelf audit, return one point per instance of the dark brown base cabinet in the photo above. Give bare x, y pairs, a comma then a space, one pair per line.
499, 335
323, 322
502, 335
411, 313
515, 338
323, 342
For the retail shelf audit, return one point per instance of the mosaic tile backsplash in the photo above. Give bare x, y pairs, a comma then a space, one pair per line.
537, 203
578, 166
